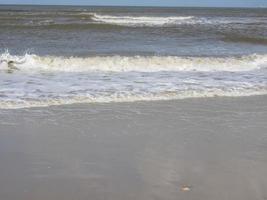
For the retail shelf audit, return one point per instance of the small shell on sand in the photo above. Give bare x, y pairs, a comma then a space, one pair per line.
186, 188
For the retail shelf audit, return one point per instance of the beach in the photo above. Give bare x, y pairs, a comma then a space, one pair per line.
133, 103
202, 148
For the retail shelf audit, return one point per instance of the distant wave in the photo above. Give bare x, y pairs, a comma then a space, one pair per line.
141, 20
137, 21
86, 19
134, 63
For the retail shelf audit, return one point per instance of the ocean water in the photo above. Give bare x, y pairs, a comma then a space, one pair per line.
51, 55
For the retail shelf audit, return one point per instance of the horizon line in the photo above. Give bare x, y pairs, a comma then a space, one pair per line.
156, 6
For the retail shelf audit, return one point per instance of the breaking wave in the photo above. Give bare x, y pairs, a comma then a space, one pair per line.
165, 21
49, 80
142, 20
87, 19
133, 63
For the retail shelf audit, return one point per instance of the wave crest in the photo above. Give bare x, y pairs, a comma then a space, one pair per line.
133, 63
142, 20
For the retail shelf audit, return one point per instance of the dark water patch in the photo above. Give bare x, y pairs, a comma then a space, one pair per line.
245, 39
64, 26
80, 26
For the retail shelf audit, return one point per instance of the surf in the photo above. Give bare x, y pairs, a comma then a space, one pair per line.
119, 63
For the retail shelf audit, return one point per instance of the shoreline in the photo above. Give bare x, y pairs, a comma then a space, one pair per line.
190, 149
138, 101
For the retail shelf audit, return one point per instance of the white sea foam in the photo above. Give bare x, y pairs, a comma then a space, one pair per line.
162, 21
46, 80
38, 102
134, 63
142, 20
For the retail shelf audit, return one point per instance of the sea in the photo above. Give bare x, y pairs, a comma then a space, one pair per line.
57, 55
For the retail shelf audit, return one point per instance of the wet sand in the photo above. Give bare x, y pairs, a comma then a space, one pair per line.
197, 149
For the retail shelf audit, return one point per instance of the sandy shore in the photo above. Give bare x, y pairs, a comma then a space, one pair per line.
198, 149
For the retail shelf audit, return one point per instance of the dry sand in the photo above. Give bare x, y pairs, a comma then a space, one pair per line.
197, 149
